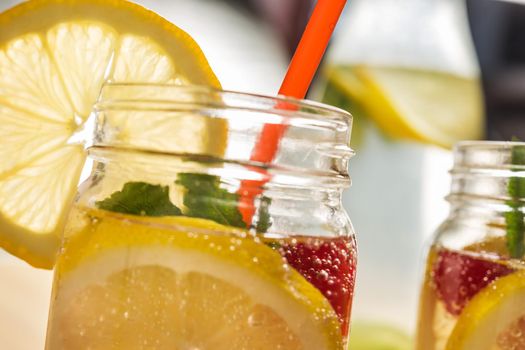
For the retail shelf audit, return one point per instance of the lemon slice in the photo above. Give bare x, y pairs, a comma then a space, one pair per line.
54, 57
494, 319
180, 283
426, 106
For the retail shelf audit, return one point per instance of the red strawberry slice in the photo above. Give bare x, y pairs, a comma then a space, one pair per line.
330, 267
458, 277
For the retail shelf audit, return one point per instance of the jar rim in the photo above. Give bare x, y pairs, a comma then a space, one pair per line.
482, 145
280, 102
488, 172
316, 141
488, 155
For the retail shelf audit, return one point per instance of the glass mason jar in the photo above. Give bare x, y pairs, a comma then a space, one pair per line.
156, 252
473, 296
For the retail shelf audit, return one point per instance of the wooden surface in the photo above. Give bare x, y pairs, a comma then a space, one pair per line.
24, 302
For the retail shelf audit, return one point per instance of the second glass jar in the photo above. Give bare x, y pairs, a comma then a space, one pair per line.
473, 296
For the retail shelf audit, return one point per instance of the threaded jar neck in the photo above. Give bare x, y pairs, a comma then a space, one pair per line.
487, 172
314, 149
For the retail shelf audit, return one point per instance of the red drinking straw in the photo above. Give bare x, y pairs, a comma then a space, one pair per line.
301, 71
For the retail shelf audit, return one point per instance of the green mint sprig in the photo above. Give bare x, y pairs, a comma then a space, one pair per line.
203, 198
264, 221
140, 198
514, 218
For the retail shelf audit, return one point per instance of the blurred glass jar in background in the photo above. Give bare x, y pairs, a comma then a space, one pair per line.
474, 288
408, 72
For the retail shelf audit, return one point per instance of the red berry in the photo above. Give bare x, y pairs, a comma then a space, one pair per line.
330, 267
458, 277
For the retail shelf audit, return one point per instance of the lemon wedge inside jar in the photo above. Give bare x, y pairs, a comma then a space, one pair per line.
494, 319
126, 282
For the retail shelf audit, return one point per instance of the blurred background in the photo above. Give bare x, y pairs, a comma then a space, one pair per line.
417, 75
500, 44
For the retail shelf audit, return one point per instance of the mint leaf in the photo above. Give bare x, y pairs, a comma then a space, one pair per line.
515, 229
264, 223
515, 217
205, 199
140, 198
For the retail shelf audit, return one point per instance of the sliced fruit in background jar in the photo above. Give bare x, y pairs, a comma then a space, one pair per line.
458, 277
426, 106
54, 57
126, 281
329, 266
494, 318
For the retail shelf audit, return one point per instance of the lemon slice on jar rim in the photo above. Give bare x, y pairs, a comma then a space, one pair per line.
54, 57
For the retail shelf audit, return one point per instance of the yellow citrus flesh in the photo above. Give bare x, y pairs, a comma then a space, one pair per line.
425, 106
124, 282
54, 57
494, 319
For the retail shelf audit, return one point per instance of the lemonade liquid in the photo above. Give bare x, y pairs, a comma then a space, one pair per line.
117, 283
